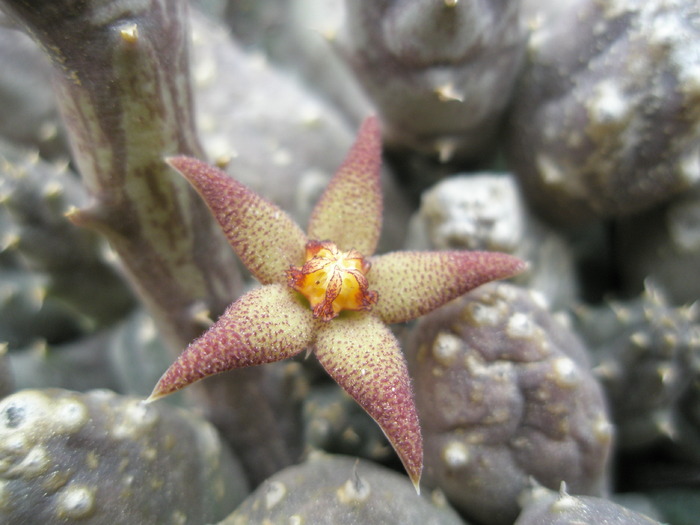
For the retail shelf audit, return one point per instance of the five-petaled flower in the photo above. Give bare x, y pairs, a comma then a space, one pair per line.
324, 290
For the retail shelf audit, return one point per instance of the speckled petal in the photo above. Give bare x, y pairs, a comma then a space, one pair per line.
265, 325
411, 284
349, 212
364, 358
266, 239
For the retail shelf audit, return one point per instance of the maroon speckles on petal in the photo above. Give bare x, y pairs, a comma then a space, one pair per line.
350, 210
265, 325
265, 238
357, 349
411, 284
364, 358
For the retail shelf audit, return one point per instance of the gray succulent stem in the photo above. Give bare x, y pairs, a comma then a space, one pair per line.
123, 86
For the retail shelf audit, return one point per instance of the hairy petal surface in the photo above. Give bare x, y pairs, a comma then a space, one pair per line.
362, 355
265, 325
349, 212
411, 284
266, 239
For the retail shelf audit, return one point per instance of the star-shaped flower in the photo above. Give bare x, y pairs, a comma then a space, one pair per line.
325, 291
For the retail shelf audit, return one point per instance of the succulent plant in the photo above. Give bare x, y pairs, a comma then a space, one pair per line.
34, 198
439, 72
546, 507
274, 322
136, 354
663, 244
604, 120
102, 458
591, 106
80, 365
127, 358
335, 423
43, 259
647, 355
340, 490
505, 395
28, 315
28, 114
124, 92
107, 82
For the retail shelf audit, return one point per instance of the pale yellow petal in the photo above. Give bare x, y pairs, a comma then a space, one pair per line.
266, 239
349, 212
411, 284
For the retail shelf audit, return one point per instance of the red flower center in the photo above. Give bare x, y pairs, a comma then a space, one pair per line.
332, 280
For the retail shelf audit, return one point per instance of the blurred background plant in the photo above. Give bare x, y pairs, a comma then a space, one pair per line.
566, 133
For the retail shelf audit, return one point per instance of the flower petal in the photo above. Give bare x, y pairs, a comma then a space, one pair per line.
364, 358
411, 284
266, 239
349, 212
265, 325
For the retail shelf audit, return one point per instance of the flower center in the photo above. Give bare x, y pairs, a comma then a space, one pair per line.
332, 280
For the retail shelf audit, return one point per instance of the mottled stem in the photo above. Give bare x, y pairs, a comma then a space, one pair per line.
123, 86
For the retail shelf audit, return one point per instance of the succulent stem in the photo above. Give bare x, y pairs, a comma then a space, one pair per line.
123, 86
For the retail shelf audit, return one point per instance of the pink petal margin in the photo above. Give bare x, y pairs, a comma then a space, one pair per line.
265, 325
411, 284
266, 239
349, 212
362, 355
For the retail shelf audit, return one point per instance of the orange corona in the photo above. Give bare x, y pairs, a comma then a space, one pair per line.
332, 280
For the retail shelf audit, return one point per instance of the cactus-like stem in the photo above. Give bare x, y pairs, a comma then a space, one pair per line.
440, 72
122, 84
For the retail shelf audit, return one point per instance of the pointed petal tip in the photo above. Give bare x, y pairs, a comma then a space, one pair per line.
169, 383
414, 471
489, 265
504, 264
362, 355
157, 394
191, 366
416, 483
152, 398
411, 284
519, 266
265, 325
